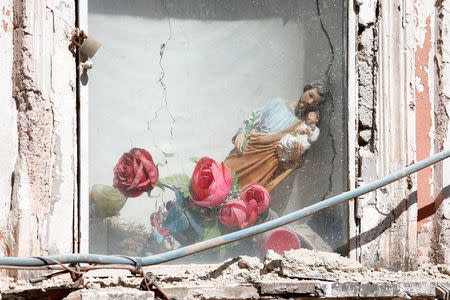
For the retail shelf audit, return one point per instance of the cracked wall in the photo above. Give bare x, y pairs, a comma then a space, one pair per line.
8, 119
386, 218
441, 244
407, 218
432, 100
366, 130
41, 129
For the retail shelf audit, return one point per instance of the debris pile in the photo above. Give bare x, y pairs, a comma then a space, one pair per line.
301, 271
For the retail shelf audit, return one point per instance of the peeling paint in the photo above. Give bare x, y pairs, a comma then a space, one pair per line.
423, 126
5, 19
44, 112
432, 128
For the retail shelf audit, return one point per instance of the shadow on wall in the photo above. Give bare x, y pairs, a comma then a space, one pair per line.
372, 234
431, 208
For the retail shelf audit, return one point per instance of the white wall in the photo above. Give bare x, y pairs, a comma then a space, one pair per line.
8, 118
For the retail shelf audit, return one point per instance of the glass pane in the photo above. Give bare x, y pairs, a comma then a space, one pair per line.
259, 85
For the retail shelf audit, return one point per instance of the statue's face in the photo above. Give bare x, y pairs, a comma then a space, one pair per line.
310, 98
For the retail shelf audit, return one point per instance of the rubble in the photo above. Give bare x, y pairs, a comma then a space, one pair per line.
298, 272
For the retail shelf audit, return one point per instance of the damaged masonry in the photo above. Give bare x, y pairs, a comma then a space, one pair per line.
184, 80
296, 274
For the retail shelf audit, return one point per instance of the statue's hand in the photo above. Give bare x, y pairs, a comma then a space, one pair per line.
297, 152
239, 141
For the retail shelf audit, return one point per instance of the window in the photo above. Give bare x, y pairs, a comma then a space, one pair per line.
184, 80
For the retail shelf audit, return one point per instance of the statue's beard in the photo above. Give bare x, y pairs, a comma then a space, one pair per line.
301, 113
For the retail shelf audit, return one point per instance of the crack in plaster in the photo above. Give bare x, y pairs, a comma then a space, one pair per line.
330, 96
161, 78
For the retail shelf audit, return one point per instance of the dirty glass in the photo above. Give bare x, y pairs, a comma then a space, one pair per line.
208, 116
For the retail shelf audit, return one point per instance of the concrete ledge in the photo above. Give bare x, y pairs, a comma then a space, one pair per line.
378, 289
307, 288
237, 292
109, 294
262, 290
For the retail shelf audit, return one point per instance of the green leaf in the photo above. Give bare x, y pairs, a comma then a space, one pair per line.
212, 230
157, 184
235, 179
223, 250
195, 219
249, 125
180, 181
235, 187
176, 221
194, 159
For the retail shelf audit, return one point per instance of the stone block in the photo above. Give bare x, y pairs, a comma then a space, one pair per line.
240, 292
365, 136
288, 287
385, 289
367, 11
111, 294
365, 117
338, 290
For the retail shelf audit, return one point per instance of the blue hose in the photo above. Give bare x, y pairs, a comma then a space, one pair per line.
228, 238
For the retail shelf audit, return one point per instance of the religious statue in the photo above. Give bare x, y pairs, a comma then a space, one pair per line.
270, 142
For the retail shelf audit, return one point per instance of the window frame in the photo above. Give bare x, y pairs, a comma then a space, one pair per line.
81, 228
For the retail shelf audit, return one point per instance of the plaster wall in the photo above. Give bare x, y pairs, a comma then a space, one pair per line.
441, 244
8, 119
425, 96
432, 98
402, 42
38, 178
386, 218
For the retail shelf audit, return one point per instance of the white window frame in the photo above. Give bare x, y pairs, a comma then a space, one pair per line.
83, 100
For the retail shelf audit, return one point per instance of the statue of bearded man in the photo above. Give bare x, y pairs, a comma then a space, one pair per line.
254, 158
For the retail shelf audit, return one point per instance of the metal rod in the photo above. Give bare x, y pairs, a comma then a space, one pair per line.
231, 237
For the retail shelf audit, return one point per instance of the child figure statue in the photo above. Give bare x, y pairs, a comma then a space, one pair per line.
306, 134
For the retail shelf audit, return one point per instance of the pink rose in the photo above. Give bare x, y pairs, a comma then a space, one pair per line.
135, 173
236, 213
278, 240
256, 196
210, 183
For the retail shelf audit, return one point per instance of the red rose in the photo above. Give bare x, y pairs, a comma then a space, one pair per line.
256, 196
236, 213
210, 183
135, 173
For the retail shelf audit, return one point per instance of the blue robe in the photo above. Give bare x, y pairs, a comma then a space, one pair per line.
276, 115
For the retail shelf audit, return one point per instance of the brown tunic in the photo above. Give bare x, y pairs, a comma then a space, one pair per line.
259, 162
